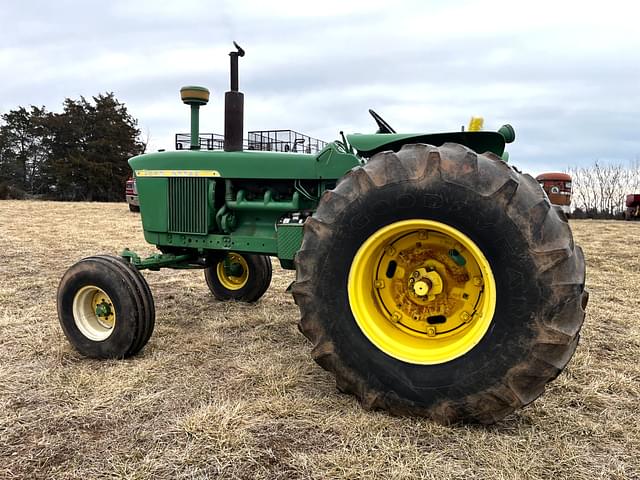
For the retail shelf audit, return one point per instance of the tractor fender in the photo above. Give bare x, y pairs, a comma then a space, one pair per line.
368, 145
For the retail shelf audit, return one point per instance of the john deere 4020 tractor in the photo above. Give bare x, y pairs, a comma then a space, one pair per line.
432, 278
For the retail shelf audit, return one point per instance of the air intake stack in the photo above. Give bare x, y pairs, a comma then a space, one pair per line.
234, 107
195, 96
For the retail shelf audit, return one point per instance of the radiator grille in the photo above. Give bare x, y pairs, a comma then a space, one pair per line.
188, 205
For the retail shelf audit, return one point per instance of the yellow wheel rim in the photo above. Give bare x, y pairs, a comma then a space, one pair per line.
94, 313
422, 291
228, 280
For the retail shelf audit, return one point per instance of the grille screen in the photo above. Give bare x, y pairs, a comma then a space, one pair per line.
188, 205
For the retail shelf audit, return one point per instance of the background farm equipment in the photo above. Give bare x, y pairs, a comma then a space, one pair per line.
414, 304
557, 186
131, 195
632, 202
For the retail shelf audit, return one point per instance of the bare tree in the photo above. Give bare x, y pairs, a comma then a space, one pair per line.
600, 189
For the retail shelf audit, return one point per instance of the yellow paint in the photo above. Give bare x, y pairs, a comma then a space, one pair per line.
231, 282
192, 93
401, 317
177, 173
476, 124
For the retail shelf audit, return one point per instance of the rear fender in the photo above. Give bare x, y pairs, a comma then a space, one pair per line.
480, 142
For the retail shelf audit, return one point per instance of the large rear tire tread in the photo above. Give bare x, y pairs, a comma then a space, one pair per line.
480, 182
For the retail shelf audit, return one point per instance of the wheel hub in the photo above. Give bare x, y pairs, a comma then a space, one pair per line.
94, 313
233, 271
425, 284
433, 291
103, 309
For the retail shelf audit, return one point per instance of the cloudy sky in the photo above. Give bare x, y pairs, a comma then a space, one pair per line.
565, 74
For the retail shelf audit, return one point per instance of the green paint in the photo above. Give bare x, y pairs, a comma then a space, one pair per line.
329, 163
162, 260
199, 202
289, 239
480, 142
195, 126
456, 257
232, 269
103, 309
152, 193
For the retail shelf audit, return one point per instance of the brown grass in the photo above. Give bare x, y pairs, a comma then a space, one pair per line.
229, 390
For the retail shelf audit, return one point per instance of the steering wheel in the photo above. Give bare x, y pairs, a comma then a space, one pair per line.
383, 127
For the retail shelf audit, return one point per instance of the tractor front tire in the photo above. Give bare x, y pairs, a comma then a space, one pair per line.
105, 307
441, 283
241, 277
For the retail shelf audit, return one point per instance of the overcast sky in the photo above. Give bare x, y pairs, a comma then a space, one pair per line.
565, 74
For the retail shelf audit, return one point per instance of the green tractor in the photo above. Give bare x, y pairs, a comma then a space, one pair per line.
432, 278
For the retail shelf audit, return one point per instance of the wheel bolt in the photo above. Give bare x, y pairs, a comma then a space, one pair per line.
465, 316
477, 281
379, 284
431, 332
396, 317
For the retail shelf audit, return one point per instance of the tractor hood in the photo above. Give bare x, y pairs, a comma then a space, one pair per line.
480, 142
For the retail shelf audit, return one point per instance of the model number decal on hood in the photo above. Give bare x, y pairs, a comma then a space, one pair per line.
177, 173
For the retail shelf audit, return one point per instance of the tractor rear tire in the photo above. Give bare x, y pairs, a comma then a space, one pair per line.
105, 307
251, 282
458, 226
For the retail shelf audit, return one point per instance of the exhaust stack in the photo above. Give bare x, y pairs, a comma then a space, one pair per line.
234, 107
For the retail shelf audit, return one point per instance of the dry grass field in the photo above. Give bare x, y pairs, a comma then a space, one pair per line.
226, 390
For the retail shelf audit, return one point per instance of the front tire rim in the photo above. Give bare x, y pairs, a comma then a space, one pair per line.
228, 280
94, 313
422, 291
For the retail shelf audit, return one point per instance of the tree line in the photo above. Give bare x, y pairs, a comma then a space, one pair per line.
78, 154
599, 190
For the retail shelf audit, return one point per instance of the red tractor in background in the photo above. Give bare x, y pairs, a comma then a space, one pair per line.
632, 203
557, 186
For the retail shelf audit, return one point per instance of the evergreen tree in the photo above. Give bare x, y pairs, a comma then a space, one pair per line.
79, 154
24, 149
91, 144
